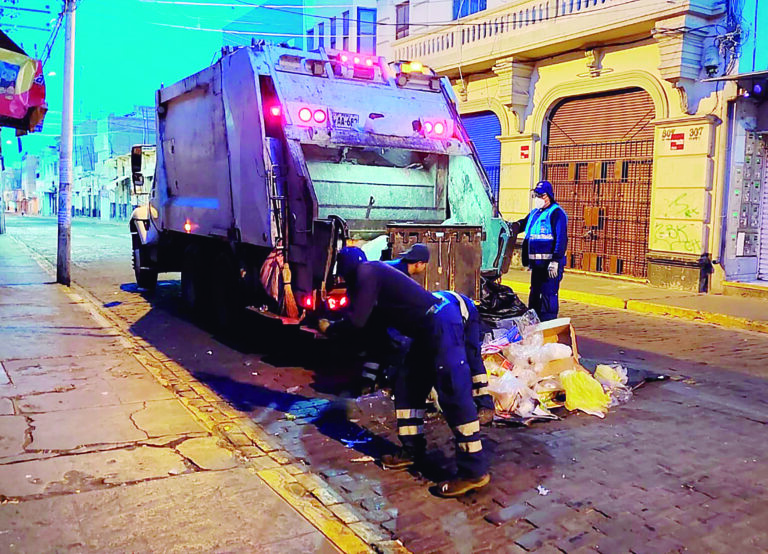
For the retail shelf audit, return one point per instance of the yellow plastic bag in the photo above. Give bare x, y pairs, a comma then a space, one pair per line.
583, 392
611, 377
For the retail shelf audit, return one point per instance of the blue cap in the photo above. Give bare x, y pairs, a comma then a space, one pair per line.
416, 253
545, 187
347, 261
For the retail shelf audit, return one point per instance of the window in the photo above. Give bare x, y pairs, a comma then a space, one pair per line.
366, 31
345, 31
333, 32
310, 39
321, 35
402, 13
462, 8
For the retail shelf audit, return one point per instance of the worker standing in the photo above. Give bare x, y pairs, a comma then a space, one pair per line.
544, 246
437, 358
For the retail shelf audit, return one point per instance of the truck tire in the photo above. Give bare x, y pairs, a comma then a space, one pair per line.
146, 274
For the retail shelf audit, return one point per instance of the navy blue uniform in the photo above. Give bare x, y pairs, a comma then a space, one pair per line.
539, 250
444, 363
437, 358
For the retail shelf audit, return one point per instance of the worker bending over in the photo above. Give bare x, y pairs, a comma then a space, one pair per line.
546, 240
437, 358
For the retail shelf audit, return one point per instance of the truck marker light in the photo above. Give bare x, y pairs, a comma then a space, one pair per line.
369, 62
305, 114
415, 67
428, 126
275, 111
188, 227
439, 128
344, 58
357, 59
320, 116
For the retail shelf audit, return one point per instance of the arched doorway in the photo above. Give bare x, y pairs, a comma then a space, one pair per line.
483, 128
598, 155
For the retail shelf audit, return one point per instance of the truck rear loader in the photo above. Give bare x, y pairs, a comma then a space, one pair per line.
275, 157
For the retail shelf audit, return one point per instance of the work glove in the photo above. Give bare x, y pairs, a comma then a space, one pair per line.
323, 325
553, 267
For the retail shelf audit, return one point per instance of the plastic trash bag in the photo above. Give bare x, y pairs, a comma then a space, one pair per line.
506, 391
614, 381
583, 392
498, 301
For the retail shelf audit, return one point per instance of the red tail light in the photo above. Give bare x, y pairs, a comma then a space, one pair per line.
308, 302
337, 302
320, 116
343, 302
275, 111
305, 114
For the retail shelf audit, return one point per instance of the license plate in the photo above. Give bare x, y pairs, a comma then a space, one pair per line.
345, 120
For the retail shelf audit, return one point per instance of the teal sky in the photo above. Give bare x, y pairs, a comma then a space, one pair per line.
123, 51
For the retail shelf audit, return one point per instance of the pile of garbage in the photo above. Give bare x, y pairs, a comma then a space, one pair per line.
533, 368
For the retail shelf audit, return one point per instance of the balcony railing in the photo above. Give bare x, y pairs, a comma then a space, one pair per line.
521, 27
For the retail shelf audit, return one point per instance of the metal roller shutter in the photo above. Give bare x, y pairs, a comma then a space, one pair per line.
599, 158
483, 128
762, 257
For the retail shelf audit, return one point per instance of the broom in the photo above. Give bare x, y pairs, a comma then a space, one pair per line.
291, 309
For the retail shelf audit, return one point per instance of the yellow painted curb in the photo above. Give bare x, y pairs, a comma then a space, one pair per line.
328, 525
722, 320
574, 296
651, 308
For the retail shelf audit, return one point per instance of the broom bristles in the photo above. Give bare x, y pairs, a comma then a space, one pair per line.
289, 300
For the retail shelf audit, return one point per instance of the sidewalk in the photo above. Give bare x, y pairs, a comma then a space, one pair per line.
96, 455
727, 311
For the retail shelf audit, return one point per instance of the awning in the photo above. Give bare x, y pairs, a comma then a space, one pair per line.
22, 88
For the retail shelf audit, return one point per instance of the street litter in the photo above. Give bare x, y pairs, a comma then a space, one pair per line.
534, 367
363, 459
210, 352
291, 390
543, 491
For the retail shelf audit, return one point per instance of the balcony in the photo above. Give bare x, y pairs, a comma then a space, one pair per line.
532, 29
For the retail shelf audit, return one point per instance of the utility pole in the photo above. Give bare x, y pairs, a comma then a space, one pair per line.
65, 154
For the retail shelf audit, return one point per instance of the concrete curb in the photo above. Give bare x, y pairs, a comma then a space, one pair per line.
653, 308
255, 447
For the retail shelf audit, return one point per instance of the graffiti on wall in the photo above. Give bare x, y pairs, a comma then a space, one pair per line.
675, 237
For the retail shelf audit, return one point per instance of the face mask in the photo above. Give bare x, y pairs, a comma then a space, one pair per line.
538, 203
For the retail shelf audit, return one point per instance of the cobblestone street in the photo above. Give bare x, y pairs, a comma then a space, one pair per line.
682, 466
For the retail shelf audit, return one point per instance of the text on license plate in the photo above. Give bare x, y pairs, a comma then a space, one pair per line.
347, 120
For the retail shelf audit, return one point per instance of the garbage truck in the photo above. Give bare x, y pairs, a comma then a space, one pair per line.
272, 159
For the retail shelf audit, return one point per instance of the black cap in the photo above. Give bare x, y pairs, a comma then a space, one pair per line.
416, 253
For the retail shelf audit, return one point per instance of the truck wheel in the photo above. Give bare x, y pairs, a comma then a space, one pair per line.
146, 276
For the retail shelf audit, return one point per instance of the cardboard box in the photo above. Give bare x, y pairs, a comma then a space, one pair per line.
559, 331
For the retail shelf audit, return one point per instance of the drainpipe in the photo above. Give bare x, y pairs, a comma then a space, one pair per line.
720, 201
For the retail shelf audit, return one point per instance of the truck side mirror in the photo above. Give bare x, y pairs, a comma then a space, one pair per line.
138, 178
138, 183
136, 159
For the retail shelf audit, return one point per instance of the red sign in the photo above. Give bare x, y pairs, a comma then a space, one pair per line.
678, 141
524, 152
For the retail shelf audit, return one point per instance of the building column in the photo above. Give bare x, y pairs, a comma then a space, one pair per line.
681, 200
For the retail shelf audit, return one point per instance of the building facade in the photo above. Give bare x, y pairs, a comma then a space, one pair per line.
610, 101
351, 27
